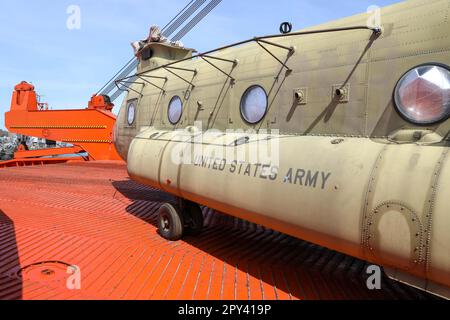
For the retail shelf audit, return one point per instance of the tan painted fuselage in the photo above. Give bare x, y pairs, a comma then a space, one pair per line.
353, 175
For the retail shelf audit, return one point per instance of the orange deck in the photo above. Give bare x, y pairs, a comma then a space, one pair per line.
91, 215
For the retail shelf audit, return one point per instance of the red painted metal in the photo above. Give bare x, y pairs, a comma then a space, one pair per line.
90, 129
90, 214
37, 162
26, 154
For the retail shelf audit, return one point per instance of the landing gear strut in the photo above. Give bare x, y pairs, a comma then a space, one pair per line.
175, 221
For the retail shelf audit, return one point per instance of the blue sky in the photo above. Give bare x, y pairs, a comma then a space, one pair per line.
68, 66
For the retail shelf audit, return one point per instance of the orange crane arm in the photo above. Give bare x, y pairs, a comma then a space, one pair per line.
90, 129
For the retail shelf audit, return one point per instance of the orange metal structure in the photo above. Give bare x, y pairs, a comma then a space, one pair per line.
36, 162
89, 130
90, 215
27, 154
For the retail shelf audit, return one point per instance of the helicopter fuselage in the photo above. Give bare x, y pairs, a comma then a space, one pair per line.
338, 164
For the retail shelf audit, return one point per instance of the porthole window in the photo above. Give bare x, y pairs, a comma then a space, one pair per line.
175, 110
254, 104
422, 95
131, 112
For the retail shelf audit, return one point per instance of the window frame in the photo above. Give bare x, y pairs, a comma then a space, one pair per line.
241, 107
129, 103
168, 110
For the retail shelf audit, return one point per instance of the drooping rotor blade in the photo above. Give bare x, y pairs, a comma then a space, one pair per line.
192, 7
199, 17
127, 70
176, 17
131, 65
167, 32
115, 76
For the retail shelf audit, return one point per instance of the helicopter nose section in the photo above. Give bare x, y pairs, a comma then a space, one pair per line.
114, 133
118, 141
119, 137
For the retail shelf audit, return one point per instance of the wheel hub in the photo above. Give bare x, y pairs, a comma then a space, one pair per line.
165, 223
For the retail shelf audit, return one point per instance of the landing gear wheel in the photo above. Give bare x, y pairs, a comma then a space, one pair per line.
193, 218
170, 222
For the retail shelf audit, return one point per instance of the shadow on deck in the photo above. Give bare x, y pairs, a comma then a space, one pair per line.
9, 260
300, 269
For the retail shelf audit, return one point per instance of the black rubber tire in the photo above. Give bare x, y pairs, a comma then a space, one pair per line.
170, 222
194, 218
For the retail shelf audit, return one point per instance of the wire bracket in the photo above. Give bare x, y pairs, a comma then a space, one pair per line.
168, 68
142, 77
121, 82
290, 50
260, 40
233, 62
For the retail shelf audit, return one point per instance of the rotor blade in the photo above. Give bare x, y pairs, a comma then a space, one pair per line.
115, 76
182, 19
199, 17
176, 17
125, 72
168, 30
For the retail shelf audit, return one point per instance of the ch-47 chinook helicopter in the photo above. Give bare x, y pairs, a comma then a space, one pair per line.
358, 116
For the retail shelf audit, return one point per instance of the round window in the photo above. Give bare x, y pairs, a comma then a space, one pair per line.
422, 95
131, 111
254, 104
175, 110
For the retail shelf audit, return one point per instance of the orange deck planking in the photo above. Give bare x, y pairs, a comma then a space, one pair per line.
90, 215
